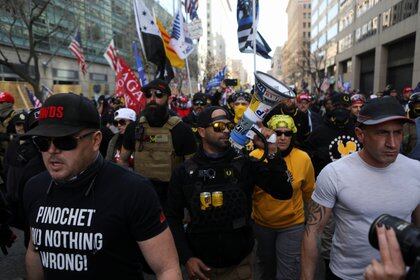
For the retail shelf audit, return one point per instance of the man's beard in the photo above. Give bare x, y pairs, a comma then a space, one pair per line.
156, 115
218, 143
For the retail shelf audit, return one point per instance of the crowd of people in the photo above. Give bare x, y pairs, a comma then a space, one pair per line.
102, 192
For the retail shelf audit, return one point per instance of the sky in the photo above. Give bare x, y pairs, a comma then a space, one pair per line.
272, 26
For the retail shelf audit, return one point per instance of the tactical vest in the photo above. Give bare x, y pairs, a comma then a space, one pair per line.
230, 213
155, 156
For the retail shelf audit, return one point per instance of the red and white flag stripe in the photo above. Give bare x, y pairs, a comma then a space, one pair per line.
77, 50
111, 55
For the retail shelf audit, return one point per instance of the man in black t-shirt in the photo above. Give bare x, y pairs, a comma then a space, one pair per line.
159, 141
89, 218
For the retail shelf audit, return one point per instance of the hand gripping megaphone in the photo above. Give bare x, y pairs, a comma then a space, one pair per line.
268, 93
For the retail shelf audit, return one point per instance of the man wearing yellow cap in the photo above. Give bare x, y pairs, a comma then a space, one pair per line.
279, 223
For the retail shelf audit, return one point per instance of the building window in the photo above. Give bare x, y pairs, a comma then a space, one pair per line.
322, 23
345, 43
333, 12
363, 6
98, 77
399, 12
332, 32
346, 19
304, 25
314, 17
366, 30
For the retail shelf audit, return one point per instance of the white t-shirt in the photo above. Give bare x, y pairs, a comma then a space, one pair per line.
358, 194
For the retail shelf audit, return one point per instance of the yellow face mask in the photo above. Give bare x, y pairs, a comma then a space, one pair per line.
239, 112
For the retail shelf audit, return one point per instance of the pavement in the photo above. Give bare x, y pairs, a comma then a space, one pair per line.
12, 266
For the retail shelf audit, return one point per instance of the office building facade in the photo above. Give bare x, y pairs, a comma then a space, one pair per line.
98, 22
379, 43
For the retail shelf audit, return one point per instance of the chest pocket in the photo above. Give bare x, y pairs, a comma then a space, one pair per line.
226, 205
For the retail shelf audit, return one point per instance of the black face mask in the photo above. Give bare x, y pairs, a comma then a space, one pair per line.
339, 117
155, 114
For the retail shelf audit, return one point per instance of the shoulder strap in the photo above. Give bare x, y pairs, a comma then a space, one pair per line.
172, 122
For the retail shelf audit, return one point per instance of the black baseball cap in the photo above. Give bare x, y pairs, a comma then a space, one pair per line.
159, 85
205, 119
65, 114
379, 110
200, 96
340, 99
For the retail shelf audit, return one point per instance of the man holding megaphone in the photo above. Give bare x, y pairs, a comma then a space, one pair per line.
217, 183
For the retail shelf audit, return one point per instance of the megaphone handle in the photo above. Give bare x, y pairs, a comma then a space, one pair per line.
264, 140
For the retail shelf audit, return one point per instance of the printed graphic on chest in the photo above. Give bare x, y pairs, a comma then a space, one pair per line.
64, 237
342, 146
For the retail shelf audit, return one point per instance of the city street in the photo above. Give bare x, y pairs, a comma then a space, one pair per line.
12, 266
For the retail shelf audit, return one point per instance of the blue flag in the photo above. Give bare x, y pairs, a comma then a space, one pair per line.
246, 24
217, 79
139, 63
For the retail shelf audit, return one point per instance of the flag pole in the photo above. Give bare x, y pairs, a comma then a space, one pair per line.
141, 39
188, 73
254, 33
186, 59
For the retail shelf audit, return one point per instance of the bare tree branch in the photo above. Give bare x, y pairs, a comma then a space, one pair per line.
40, 12
10, 36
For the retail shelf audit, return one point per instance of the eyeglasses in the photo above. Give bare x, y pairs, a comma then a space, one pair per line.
157, 93
65, 143
121, 122
221, 126
288, 133
199, 103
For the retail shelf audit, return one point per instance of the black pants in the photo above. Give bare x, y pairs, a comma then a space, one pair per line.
329, 275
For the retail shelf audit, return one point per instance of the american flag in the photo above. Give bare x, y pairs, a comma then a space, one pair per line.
111, 55
77, 50
34, 101
191, 7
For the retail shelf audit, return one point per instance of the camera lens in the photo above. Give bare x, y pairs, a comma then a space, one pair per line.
407, 234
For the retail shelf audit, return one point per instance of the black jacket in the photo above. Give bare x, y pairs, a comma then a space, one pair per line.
222, 248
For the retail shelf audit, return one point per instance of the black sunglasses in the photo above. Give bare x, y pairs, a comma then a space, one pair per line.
65, 143
157, 93
286, 133
199, 103
221, 126
121, 122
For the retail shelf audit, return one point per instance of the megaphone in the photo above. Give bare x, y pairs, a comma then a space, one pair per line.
268, 93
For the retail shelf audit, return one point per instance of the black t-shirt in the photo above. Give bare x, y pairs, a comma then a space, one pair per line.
92, 235
182, 139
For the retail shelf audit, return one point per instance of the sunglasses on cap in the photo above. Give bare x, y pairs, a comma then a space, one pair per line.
199, 103
157, 93
288, 133
121, 122
221, 126
65, 143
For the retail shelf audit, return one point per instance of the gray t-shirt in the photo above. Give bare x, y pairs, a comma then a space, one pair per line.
358, 194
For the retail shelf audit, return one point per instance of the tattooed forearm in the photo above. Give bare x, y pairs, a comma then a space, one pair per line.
314, 214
